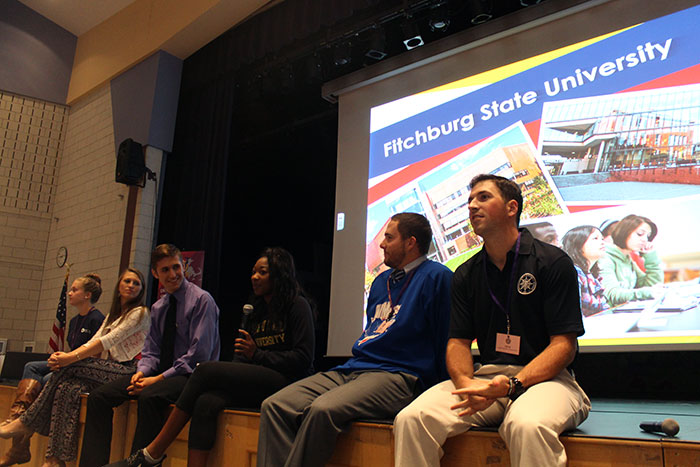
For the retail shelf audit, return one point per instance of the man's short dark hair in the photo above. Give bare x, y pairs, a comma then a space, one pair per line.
508, 188
415, 225
164, 250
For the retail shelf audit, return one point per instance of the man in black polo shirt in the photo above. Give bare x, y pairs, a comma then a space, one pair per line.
518, 297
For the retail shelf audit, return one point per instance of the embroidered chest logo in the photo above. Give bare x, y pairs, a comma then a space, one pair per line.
527, 284
382, 320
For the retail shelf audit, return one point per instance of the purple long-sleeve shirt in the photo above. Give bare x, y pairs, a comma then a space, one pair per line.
196, 336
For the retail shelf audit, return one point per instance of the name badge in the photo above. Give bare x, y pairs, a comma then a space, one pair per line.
508, 343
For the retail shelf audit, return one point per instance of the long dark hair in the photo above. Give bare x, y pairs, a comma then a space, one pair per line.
117, 310
629, 224
573, 242
285, 287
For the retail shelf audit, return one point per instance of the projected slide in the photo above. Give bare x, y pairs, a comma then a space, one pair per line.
602, 136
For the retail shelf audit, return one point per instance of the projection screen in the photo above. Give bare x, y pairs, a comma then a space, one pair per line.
594, 111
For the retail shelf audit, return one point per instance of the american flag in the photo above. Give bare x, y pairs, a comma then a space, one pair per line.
59, 325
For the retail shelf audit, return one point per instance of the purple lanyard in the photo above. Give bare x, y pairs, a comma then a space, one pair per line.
513, 270
403, 289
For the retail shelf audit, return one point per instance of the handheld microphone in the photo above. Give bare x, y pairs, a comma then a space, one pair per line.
669, 427
247, 310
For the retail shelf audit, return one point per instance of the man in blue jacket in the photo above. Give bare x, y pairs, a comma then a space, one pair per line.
400, 352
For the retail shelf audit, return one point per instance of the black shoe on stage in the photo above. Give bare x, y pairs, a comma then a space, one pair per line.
137, 459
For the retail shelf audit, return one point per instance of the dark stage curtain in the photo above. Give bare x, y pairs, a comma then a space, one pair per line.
195, 176
193, 205
255, 169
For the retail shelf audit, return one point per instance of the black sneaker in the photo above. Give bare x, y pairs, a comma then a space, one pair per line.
137, 459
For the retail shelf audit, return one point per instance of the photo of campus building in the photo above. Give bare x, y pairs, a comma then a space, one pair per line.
659, 128
442, 196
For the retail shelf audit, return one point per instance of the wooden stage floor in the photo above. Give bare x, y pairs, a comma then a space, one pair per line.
609, 437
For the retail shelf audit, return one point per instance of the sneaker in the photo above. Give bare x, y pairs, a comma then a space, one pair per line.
138, 459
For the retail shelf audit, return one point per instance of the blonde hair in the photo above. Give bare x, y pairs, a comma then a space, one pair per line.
91, 283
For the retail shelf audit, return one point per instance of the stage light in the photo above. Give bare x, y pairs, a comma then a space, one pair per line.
411, 34
341, 54
480, 11
377, 45
438, 25
439, 18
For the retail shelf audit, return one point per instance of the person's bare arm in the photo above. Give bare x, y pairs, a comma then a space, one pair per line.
460, 366
62, 359
548, 364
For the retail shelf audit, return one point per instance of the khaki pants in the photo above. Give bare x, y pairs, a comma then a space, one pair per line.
530, 426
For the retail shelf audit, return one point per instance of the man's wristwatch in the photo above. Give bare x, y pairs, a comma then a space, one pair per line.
516, 388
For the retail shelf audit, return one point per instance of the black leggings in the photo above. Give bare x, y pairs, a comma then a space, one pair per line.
216, 385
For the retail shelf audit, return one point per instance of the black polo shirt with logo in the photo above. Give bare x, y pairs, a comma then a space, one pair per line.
545, 300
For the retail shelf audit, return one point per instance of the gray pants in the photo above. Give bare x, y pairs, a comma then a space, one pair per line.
300, 423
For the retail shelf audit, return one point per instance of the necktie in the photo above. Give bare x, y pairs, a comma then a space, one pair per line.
167, 348
397, 275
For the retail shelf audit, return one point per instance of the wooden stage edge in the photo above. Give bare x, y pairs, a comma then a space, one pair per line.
371, 444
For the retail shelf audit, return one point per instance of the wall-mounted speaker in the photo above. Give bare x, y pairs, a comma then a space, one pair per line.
131, 164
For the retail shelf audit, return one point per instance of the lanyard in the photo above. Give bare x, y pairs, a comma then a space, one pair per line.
513, 271
403, 289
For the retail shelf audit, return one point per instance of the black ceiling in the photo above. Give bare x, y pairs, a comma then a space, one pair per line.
303, 41
280, 58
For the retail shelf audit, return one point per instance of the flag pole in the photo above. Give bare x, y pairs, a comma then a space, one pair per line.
57, 339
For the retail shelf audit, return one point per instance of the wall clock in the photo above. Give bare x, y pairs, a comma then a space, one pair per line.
61, 256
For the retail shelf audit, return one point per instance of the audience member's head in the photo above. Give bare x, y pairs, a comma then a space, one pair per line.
634, 232
606, 228
584, 245
544, 232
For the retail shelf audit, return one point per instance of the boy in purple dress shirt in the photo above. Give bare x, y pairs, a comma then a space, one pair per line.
184, 332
